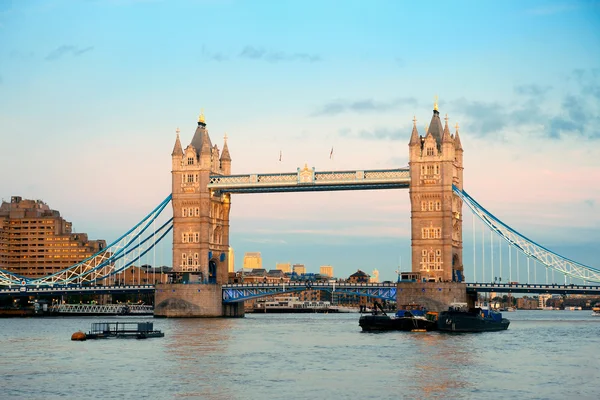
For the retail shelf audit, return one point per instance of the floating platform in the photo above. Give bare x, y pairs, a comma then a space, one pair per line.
119, 330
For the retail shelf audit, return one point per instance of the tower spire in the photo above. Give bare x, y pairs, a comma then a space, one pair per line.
177, 149
457, 144
446, 136
414, 136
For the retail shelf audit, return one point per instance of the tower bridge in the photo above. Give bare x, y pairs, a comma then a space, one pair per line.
201, 199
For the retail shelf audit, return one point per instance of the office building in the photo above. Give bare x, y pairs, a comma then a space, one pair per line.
285, 267
326, 270
252, 260
36, 241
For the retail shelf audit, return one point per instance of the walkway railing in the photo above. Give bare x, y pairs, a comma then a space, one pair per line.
307, 179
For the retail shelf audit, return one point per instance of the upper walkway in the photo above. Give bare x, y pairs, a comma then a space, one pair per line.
309, 180
244, 291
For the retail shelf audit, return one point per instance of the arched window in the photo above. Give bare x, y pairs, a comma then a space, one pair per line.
423, 205
438, 205
197, 211
183, 259
190, 160
431, 206
184, 237
197, 237
429, 151
184, 212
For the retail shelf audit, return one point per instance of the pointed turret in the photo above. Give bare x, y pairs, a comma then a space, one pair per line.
414, 136
225, 158
457, 144
177, 149
446, 136
435, 127
201, 135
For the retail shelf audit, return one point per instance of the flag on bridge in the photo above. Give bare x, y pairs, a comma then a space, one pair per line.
331, 153
279, 155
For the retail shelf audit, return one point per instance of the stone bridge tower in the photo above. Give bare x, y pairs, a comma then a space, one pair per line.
436, 163
200, 218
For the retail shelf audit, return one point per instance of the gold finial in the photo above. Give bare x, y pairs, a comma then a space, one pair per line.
201, 117
414, 120
456, 126
435, 103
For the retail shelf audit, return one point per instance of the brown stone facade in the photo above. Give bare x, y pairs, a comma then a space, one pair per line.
192, 301
435, 296
200, 217
436, 163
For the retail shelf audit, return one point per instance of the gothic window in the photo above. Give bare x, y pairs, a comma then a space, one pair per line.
423, 260
184, 212
424, 253
190, 160
422, 170
430, 170
197, 210
438, 205
190, 211
429, 151
197, 237
438, 259
431, 257
196, 178
425, 233
423, 205
195, 258
190, 178
437, 169
431, 206
183, 259
438, 252
184, 238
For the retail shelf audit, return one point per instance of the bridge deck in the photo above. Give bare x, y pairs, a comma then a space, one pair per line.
307, 179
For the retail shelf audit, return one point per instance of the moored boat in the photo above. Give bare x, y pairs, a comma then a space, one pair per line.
596, 310
459, 318
410, 317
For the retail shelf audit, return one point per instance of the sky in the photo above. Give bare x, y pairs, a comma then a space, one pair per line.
91, 93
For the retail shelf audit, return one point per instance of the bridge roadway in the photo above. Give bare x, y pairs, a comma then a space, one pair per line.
239, 292
62, 290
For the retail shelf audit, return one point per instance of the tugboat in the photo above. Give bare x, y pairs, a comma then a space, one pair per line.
459, 318
411, 317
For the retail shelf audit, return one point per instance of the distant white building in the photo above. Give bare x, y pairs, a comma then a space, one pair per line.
374, 276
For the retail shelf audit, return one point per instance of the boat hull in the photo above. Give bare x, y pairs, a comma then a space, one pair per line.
377, 323
462, 322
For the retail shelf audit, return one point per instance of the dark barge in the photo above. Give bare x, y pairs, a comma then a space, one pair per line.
119, 330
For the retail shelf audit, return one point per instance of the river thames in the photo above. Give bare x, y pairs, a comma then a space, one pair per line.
543, 355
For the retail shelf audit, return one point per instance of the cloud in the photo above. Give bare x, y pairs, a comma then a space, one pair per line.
264, 240
256, 53
553, 9
376, 133
590, 202
577, 115
340, 106
532, 90
214, 56
66, 50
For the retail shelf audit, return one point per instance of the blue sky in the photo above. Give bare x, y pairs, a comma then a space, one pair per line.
91, 93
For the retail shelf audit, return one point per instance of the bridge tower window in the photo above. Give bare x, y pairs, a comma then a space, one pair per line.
184, 212
190, 160
438, 205
430, 151
197, 211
